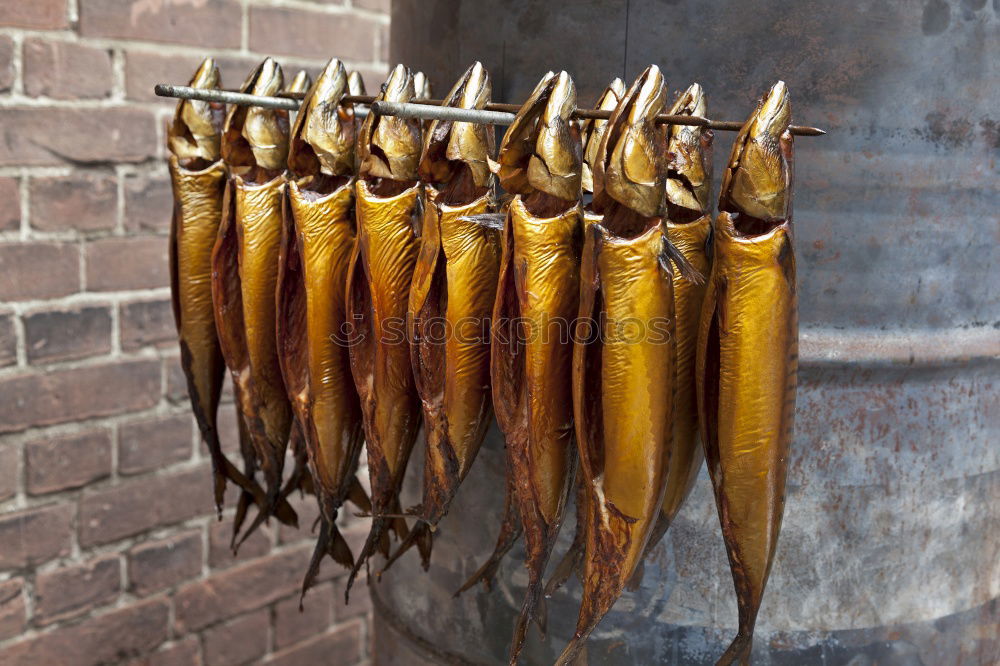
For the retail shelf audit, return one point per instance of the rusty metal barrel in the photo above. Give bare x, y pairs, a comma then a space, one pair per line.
890, 550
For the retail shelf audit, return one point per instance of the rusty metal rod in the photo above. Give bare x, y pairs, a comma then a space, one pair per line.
495, 113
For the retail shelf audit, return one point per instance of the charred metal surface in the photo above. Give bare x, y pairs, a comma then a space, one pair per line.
892, 520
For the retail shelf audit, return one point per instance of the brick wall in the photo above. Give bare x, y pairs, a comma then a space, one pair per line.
109, 550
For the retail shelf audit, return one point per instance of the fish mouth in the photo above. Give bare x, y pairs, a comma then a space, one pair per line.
456, 154
195, 133
690, 168
321, 151
255, 136
631, 169
757, 181
389, 147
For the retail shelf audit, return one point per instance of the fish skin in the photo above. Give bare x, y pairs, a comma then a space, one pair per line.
747, 355
317, 242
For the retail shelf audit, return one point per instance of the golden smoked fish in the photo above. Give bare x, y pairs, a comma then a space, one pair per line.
389, 201
747, 354
689, 226
451, 299
540, 163
592, 134
245, 272
198, 176
312, 311
623, 359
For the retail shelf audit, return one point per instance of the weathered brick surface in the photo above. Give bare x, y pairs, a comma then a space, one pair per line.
86, 201
13, 617
115, 264
70, 461
66, 70
158, 565
64, 335
75, 590
38, 270
237, 641
147, 323
58, 396
143, 503
44, 136
10, 195
153, 443
197, 23
106, 511
129, 632
33, 536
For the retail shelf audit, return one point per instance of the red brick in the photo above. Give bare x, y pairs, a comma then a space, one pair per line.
46, 398
237, 641
220, 533
10, 211
65, 70
176, 391
149, 203
125, 633
150, 444
8, 341
142, 504
196, 23
157, 565
146, 323
115, 264
6, 63
72, 591
186, 652
83, 201
8, 471
239, 589
308, 511
13, 617
35, 535
361, 600
344, 641
40, 14
38, 270
144, 69
43, 136
64, 335
292, 626
67, 462
284, 30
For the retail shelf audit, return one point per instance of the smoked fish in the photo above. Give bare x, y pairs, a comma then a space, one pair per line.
389, 200
312, 312
747, 356
451, 300
623, 358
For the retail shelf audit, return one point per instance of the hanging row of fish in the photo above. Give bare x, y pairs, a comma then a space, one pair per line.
319, 261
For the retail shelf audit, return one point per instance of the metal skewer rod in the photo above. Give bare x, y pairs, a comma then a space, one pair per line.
495, 113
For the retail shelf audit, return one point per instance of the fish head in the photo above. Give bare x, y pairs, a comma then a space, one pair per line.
452, 148
388, 146
632, 166
593, 130
355, 83
195, 133
689, 173
421, 86
757, 180
257, 136
322, 139
300, 83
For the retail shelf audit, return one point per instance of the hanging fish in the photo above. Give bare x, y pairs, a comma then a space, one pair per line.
451, 299
540, 163
689, 225
245, 272
623, 359
748, 351
389, 202
312, 315
592, 134
198, 176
